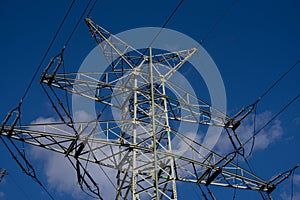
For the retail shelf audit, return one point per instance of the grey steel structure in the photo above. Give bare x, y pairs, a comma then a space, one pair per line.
138, 145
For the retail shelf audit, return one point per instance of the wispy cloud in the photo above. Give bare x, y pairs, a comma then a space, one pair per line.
2, 196
245, 131
297, 180
62, 176
287, 192
296, 121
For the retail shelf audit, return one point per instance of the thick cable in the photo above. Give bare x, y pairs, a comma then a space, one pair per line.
166, 22
292, 185
236, 172
279, 79
34, 177
202, 192
26, 196
44, 188
92, 8
219, 20
266, 124
79, 20
274, 117
48, 49
254, 130
70, 37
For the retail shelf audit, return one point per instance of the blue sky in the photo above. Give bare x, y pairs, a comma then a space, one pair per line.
252, 46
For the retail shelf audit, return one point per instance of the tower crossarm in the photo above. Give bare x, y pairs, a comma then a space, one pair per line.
184, 107
190, 166
104, 87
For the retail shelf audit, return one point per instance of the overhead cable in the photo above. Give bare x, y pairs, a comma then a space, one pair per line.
80, 19
48, 49
166, 22
214, 25
274, 117
279, 79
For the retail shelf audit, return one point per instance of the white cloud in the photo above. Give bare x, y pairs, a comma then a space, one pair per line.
83, 116
41, 120
297, 180
2, 196
286, 191
62, 176
285, 196
268, 135
297, 121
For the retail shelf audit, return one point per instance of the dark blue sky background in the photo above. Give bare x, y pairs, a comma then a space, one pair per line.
252, 46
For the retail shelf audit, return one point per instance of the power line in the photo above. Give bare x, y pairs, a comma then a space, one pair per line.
80, 19
25, 195
261, 97
92, 8
279, 79
40, 65
44, 188
293, 181
254, 130
236, 172
30, 170
283, 109
214, 25
166, 22
274, 117
31, 82
18, 186
47, 51
292, 185
70, 37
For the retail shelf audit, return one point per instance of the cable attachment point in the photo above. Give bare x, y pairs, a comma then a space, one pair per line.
280, 178
11, 118
2, 174
235, 122
55, 63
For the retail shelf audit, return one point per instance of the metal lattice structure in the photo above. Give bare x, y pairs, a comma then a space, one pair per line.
138, 145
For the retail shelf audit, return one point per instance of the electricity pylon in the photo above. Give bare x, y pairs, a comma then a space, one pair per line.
139, 143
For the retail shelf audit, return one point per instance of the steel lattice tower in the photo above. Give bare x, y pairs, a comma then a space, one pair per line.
138, 145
